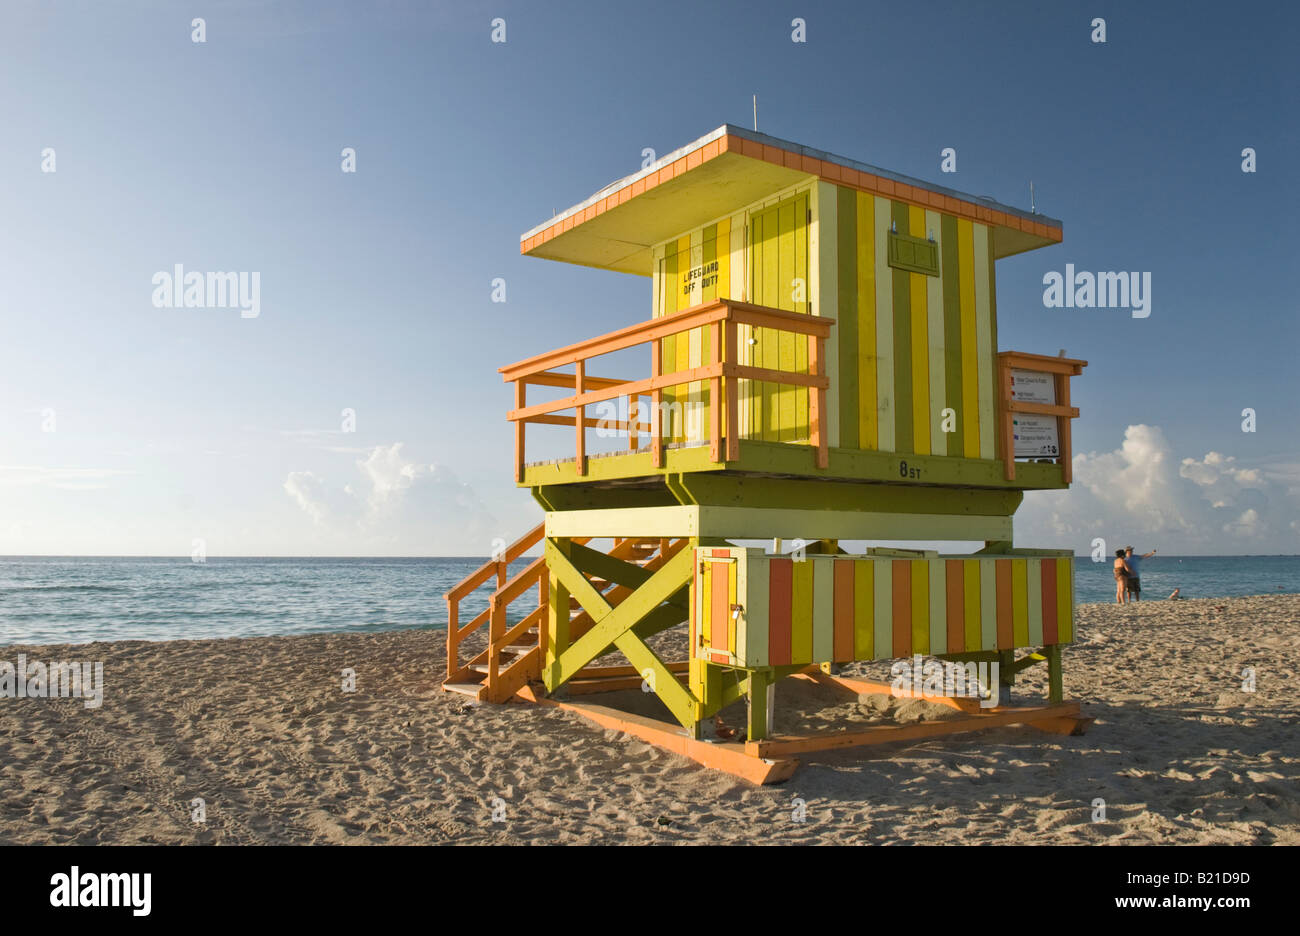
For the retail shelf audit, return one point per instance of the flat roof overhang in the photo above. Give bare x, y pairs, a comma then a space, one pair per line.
728, 169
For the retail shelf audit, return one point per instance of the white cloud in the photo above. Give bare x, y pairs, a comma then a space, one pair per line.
1142, 493
308, 491
397, 505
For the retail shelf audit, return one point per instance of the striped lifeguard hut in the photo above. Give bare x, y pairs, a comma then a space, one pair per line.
820, 367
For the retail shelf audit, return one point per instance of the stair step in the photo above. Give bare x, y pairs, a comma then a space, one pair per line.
469, 689
482, 668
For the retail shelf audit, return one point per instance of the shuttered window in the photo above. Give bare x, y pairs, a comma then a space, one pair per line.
913, 254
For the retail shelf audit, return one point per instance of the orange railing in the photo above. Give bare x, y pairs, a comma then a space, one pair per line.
721, 374
515, 653
1059, 370
507, 590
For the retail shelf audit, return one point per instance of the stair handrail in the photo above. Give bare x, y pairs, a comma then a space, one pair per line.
471, 583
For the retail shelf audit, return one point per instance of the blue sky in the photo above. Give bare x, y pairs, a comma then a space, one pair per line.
178, 424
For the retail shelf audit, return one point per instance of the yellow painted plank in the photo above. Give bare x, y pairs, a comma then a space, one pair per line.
885, 414
969, 413
705, 603
740, 596
868, 416
723, 247
785, 340
883, 601
1019, 602
823, 266
864, 606
770, 409
681, 361
799, 429
988, 605
984, 332
731, 602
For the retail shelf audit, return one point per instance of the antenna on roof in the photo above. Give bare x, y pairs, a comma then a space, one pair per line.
756, 113
1032, 209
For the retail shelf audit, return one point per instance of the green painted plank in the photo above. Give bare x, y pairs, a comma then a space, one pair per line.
799, 426
847, 318
952, 329
636, 607
785, 266
670, 691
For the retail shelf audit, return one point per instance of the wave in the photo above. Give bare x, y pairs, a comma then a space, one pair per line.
63, 588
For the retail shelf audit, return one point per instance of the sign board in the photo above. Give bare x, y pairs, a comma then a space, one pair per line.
1035, 436
1033, 387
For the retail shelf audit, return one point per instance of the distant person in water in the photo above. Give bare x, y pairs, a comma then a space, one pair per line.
1175, 596
1121, 571
1134, 584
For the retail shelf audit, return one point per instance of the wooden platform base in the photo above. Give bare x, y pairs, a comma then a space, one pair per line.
772, 759
731, 757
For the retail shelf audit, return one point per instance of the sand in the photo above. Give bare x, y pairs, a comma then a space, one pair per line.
261, 730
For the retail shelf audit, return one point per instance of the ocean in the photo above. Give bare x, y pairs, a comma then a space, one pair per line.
50, 599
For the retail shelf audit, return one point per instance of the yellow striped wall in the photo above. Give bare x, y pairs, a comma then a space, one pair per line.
911, 345
760, 252
846, 608
906, 345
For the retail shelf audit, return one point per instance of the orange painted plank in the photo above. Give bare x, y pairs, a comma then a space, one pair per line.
780, 583
956, 574
902, 608
1006, 638
1050, 635
732, 758
843, 610
720, 612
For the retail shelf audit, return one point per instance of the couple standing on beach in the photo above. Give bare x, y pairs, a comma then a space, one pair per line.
1128, 574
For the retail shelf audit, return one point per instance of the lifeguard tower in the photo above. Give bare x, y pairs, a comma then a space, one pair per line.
823, 367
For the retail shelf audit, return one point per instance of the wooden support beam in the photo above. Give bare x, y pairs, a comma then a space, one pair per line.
612, 622
731, 394
715, 394
789, 745
521, 429
1063, 395
729, 758
818, 435
662, 681
1055, 682
558, 619
579, 419
656, 408
760, 689
619, 571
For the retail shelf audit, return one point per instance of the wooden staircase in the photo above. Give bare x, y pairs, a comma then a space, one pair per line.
514, 653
